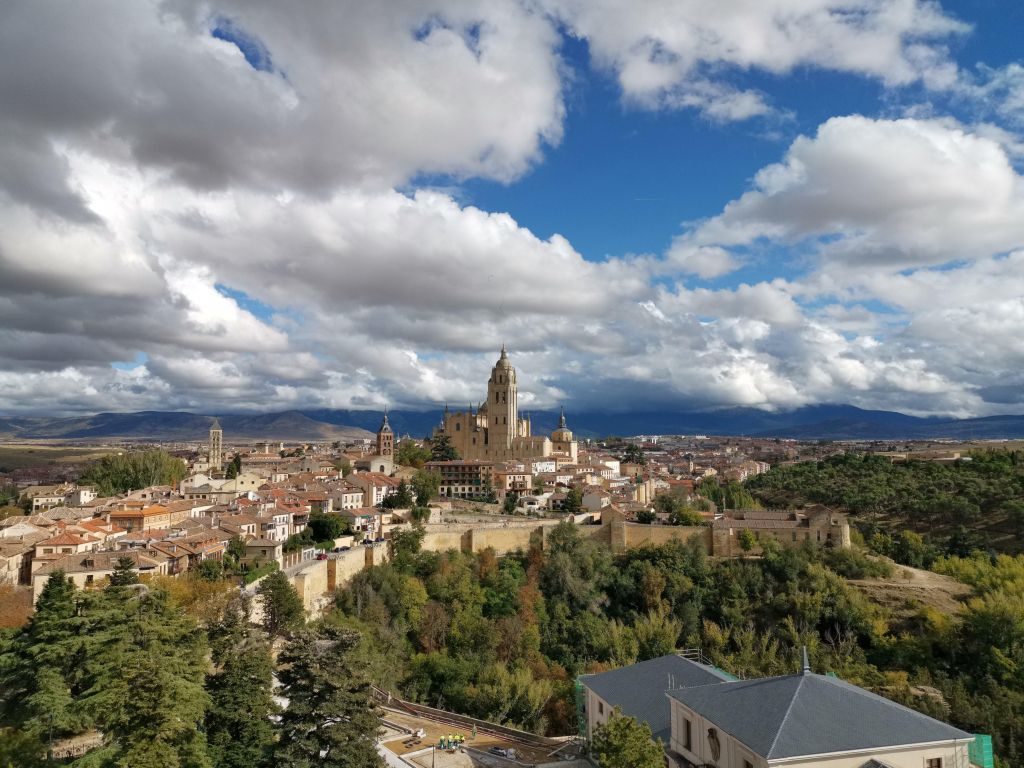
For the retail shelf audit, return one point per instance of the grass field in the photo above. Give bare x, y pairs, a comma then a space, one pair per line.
25, 455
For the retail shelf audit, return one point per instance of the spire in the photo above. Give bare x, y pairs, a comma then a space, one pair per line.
504, 353
561, 417
807, 664
384, 424
216, 424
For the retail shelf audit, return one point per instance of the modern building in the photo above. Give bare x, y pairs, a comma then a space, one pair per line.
494, 431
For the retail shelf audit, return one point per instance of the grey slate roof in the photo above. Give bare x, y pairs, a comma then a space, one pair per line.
639, 689
809, 714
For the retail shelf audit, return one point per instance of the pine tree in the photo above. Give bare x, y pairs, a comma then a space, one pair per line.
124, 574
331, 719
282, 606
146, 665
238, 729
40, 670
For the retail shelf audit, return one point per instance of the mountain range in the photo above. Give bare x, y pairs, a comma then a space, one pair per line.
834, 422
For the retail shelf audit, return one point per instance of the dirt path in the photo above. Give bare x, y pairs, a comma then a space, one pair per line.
909, 587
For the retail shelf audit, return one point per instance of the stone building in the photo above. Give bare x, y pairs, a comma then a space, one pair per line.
216, 446
819, 525
383, 461
494, 431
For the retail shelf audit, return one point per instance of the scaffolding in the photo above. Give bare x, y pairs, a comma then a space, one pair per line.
980, 751
581, 709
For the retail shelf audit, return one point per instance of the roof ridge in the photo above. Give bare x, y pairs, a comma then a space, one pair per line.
782, 723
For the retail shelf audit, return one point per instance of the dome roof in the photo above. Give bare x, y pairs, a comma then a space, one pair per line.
503, 361
562, 435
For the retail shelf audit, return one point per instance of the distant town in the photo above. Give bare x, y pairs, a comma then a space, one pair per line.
485, 485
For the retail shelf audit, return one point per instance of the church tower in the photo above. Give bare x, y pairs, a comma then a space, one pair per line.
502, 406
385, 438
216, 446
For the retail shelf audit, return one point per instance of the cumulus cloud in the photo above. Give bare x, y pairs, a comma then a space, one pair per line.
895, 192
218, 207
673, 52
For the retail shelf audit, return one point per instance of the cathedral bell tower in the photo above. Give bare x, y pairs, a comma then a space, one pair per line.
502, 404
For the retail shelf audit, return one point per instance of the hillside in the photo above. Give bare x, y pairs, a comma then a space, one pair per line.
831, 422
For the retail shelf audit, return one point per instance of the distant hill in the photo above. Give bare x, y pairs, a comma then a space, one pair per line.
831, 422
180, 425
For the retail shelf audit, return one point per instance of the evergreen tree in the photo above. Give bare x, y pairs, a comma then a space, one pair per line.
40, 671
331, 719
146, 668
623, 742
124, 574
441, 449
238, 729
282, 606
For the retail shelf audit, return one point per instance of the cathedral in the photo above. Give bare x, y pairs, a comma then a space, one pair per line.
495, 431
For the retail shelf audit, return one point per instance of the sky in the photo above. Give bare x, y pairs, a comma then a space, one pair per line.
681, 204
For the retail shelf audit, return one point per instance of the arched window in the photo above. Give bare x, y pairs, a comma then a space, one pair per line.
497, 397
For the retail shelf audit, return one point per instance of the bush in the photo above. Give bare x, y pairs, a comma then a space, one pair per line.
257, 573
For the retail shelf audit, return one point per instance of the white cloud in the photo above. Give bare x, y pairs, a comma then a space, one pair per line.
673, 52
894, 192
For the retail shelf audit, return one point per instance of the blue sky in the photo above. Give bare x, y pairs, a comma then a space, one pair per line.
774, 204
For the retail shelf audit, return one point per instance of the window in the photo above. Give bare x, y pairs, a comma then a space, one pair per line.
458, 427
600, 707
687, 735
747, 764
933, 762
794, 535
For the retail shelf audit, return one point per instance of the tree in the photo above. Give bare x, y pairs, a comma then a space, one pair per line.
327, 527
281, 604
146, 662
623, 742
403, 547
511, 502
746, 540
441, 449
40, 670
331, 719
124, 574
118, 473
210, 570
234, 554
573, 504
634, 454
234, 467
238, 729
402, 498
426, 484
412, 454
645, 516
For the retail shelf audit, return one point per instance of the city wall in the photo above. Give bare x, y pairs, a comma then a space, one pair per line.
319, 577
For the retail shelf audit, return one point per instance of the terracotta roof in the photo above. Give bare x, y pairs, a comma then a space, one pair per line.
65, 539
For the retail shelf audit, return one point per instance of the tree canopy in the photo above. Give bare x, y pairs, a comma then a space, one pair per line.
120, 472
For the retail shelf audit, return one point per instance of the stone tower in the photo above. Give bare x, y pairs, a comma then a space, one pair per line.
385, 438
216, 446
502, 404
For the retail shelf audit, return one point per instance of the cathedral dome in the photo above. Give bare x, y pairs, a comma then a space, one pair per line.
503, 361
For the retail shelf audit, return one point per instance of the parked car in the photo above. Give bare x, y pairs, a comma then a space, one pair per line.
322, 556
